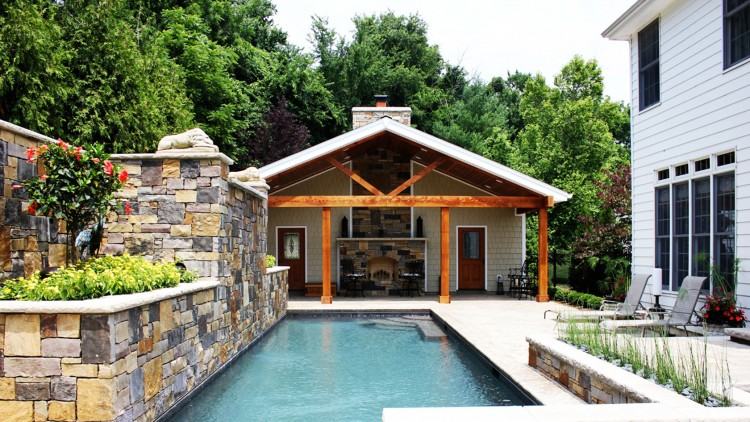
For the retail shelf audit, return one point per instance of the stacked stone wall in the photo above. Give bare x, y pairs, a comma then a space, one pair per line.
27, 243
133, 364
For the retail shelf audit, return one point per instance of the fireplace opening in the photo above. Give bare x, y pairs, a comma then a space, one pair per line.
382, 269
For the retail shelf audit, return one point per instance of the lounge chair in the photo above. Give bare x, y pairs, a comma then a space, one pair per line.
611, 309
681, 314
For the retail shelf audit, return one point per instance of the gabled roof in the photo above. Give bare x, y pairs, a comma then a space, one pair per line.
640, 14
421, 138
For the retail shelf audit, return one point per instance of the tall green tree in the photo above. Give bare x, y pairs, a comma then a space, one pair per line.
388, 54
568, 140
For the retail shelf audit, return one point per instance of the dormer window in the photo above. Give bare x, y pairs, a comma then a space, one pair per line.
648, 65
736, 31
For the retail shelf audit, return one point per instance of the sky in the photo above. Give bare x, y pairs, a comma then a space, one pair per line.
490, 38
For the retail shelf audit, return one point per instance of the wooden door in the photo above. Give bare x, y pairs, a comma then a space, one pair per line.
471, 258
291, 252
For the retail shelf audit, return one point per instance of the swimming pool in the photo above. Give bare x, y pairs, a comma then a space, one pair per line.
346, 369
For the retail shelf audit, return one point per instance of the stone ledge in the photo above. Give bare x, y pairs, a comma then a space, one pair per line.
10, 127
247, 188
276, 269
641, 412
187, 154
628, 383
103, 305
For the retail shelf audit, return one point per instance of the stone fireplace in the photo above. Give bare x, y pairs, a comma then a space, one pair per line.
381, 261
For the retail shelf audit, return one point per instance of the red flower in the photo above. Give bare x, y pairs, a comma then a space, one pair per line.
43, 177
123, 176
77, 153
108, 167
30, 154
128, 208
62, 144
717, 309
95, 160
32, 208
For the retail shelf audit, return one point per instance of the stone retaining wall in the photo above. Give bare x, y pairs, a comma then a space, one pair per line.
594, 380
27, 243
132, 364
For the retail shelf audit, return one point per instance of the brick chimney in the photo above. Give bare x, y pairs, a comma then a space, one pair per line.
365, 115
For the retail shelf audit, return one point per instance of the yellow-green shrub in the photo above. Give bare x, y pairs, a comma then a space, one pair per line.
109, 275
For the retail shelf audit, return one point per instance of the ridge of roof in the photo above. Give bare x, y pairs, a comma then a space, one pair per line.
421, 138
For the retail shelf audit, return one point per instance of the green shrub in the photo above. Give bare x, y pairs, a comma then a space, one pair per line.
270, 261
577, 298
109, 275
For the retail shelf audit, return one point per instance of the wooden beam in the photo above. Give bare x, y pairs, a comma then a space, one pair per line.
542, 266
417, 177
445, 244
354, 176
326, 297
316, 201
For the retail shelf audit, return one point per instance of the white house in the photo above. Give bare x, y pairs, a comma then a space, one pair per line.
690, 125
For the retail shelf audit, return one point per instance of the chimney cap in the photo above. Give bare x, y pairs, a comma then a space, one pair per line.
381, 100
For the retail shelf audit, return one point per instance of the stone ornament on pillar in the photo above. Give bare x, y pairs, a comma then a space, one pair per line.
193, 139
250, 177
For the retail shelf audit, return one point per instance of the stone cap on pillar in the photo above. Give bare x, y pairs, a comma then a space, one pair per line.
193, 144
250, 178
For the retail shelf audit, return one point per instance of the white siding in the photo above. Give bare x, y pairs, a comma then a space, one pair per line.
504, 231
704, 110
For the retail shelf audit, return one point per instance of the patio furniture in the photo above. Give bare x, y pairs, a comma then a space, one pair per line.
738, 335
521, 282
681, 314
351, 281
611, 309
410, 280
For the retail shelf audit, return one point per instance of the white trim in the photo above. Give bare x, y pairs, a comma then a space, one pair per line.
523, 239
418, 137
640, 14
486, 236
306, 242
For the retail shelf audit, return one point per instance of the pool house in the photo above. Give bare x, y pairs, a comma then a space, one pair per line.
386, 209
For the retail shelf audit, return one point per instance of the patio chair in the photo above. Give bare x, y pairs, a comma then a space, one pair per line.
681, 314
611, 309
519, 280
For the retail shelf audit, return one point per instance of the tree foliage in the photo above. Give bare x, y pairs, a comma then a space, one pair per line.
126, 72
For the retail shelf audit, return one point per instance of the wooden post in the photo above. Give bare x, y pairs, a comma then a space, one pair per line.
542, 266
445, 243
326, 229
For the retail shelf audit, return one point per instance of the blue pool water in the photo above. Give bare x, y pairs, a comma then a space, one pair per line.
320, 369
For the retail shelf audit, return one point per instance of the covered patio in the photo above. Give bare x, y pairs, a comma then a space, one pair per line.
391, 166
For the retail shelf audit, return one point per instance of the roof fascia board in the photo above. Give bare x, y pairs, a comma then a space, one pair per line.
420, 138
641, 13
476, 160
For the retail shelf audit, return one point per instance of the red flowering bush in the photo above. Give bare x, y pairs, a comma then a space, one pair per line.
722, 310
77, 186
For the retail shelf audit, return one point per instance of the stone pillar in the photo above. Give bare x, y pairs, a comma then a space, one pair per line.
186, 208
